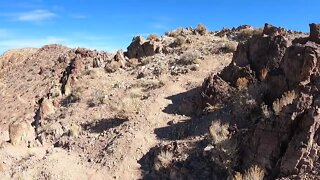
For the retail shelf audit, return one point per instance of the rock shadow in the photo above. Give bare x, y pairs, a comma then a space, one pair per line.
186, 103
197, 165
103, 125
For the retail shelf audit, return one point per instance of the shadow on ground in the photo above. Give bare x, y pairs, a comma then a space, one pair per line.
186, 103
103, 125
196, 165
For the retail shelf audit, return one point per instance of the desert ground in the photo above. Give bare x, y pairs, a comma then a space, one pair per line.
238, 103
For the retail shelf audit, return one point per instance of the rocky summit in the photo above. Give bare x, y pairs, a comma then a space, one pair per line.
240, 103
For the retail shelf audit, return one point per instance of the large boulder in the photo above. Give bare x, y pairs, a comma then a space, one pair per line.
21, 133
140, 48
263, 52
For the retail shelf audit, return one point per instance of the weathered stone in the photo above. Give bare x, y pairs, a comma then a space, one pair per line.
271, 30
20, 133
46, 108
135, 49
140, 48
97, 62
119, 57
315, 32
215, 91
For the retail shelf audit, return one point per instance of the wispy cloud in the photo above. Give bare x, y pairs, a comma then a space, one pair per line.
35, 15
160, 26
78, 16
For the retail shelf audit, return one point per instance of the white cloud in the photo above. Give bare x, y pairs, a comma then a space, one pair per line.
35, 15
31, 16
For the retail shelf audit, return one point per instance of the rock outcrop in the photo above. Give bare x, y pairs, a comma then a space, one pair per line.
141, 48
285, 136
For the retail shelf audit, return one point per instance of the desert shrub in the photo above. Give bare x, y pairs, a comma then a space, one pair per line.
74, 97
189, 57
248, 33
179, 41
174, 33
153, 37
218, 132
228, 47
286, 99
74, 130
201, 29
253, 173
98, 98
163, 160
128, 105
242, 83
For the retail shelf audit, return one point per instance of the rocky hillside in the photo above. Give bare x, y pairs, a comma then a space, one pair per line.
193, 104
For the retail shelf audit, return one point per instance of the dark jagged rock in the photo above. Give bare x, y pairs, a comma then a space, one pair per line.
315, 32
287, 142
262, 52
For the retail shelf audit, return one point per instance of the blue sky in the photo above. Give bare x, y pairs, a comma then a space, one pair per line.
110, 25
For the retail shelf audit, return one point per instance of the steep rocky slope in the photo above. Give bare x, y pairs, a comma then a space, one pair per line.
147, 113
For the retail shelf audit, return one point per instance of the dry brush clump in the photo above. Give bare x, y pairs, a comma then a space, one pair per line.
128, 105
201, 29
228, 47
286, 99
242, 83
249, 32
163, 160
253, 173
189, 57
74, 97
218, 132
98, 98
153, 37
179, 41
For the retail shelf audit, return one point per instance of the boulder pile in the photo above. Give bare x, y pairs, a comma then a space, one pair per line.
281, 74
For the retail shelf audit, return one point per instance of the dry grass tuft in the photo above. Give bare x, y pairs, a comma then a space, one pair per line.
263, 74
189, 57
228, 47
153, 37
127, 105
242, 83
163, 160
97, 99
201, 29
219, 132
253, 173
75, 96
74, 130
286, 99
179, 41
249, 32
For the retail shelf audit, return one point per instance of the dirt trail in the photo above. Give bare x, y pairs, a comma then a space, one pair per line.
155, 116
